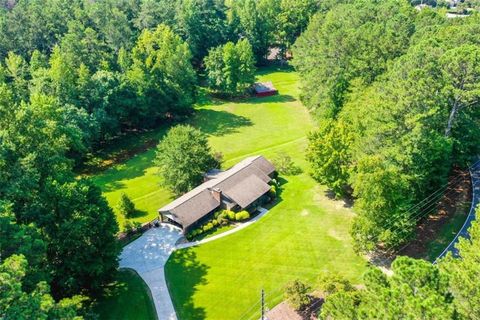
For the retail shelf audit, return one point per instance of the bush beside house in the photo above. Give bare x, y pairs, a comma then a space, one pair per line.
221, 218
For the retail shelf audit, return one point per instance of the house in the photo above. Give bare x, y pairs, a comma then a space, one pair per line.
242, 187
264, 89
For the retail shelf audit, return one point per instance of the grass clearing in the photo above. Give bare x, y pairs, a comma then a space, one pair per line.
298, 238
237, 129
304, 234
128, 298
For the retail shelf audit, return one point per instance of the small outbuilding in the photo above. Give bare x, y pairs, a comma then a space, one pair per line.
264, 89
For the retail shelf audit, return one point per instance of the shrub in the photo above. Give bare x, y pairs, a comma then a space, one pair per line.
207, 227
230, 215
128, 226
125, 206
217, 214
222, 215
242, 215
273, 192
296, 294
214, 223
222, 220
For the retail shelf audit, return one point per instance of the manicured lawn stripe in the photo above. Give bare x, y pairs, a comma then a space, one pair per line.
237, 129
303, 235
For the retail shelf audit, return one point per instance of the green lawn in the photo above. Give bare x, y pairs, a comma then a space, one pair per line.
303, 235
128, 298
236, 129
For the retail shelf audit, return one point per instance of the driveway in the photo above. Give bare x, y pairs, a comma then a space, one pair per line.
147, 255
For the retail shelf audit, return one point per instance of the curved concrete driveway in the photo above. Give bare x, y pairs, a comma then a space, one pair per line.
148, 255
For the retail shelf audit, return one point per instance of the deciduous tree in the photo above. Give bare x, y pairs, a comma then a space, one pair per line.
183, 156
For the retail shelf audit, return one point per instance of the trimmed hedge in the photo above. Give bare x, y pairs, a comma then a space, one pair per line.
221, 218
242, 215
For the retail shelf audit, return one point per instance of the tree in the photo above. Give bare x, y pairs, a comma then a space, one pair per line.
125, 206
80, 218
211, 16
329, 154
463, 271
416, 290
231, 67
284, 165
352, 40
462, 68
161, 76
296, 293
293, 18
183, 156
25, 240
255, 21
382, 194
38, 304
154, 12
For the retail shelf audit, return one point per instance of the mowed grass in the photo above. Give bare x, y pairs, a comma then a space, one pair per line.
237, 129
127, 298
303, 236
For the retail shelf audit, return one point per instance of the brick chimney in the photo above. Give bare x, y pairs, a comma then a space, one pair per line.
217, 194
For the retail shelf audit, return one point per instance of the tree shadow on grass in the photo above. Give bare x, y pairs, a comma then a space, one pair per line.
278, 98
348, 200
184, 273
111, 180
138, 214
219, 123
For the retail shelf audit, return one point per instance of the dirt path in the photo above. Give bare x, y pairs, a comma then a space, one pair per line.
452, 205
463, 233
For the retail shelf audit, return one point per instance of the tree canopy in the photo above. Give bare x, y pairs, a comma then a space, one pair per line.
183, 156
231, 67
396, 98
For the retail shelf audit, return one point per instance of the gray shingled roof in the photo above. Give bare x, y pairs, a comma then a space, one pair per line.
243, 183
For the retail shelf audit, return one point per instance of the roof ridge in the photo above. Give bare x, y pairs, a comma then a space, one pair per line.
240, 166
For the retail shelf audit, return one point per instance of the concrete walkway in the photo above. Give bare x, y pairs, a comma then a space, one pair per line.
463, 233
147, 255
263, 212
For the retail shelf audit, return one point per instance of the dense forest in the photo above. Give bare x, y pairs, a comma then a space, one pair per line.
75, 74
397, 98
395, 91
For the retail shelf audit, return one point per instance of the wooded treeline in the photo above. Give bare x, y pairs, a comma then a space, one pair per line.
74, 74
396, 92
130, 64
416, 289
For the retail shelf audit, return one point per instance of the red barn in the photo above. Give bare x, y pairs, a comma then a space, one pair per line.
264, 89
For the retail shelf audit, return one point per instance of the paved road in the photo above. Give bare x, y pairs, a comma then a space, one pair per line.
463, 233
147, 255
